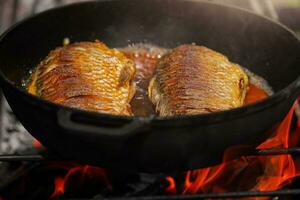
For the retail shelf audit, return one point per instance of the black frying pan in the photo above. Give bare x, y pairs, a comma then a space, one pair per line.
152, 144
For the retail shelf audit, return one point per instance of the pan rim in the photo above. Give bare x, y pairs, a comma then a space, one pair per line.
213, 117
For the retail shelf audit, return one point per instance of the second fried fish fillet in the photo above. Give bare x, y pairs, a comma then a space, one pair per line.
193, 79
87, 75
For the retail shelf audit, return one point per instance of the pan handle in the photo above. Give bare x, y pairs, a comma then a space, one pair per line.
65, 121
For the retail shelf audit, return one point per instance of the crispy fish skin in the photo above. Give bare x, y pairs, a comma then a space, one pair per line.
193, 80
87, 75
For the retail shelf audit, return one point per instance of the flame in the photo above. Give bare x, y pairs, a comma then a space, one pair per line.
171, 189
59, 187
85, 172
251, 173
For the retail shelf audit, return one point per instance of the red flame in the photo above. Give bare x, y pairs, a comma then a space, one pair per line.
84, 171
252, 173
59, 187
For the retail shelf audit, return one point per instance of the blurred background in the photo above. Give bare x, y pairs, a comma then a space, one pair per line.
286, 11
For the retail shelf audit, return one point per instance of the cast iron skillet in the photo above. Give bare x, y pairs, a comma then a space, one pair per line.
151, 144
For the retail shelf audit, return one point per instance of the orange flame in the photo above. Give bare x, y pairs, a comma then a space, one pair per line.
171, 189
85, 171
252, 173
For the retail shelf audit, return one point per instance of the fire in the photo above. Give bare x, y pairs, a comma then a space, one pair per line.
252, 173
171, 189
81, 173
59, 187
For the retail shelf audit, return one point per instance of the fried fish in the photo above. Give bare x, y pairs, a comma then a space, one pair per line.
194, 79
87, 75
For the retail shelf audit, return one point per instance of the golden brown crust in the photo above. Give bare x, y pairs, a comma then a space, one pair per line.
87, 75
194, 79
